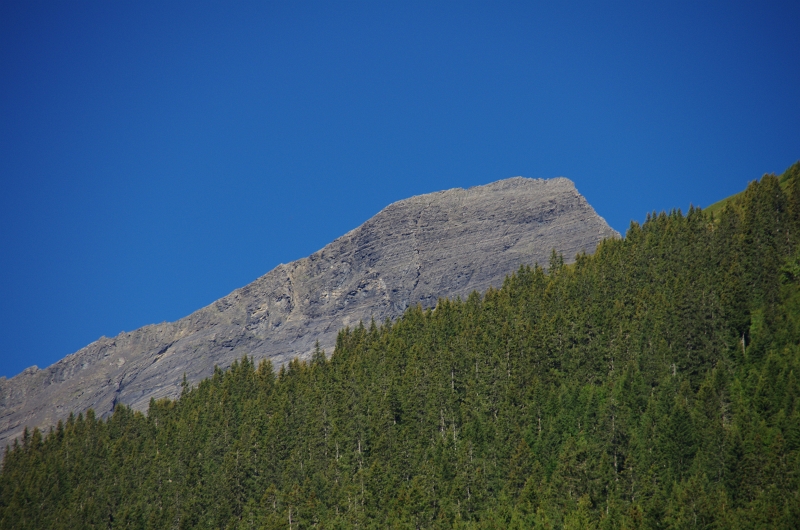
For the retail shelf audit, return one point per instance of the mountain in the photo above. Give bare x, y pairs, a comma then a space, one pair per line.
443, 244
651, 384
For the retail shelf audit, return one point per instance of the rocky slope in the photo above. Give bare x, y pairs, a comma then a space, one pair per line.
443, 244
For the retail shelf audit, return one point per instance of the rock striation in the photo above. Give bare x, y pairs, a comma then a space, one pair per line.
443, 244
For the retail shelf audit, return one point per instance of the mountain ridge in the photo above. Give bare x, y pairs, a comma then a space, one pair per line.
414, 251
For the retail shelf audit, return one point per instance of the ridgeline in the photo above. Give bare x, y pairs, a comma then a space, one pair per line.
653, 384
415, 251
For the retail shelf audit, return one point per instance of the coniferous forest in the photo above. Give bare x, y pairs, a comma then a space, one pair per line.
653, 384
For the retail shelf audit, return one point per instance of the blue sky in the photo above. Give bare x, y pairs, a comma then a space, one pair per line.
155, 156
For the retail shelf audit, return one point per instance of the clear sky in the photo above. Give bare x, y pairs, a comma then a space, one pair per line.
155, 156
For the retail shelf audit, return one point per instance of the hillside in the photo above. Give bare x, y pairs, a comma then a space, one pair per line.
653, 384
443, 244
736, 198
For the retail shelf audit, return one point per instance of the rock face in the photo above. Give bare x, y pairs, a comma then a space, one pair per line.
417, 250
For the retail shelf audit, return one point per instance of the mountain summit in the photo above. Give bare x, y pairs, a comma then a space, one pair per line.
443, 244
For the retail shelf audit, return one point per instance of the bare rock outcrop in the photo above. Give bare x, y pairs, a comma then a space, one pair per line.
417, 250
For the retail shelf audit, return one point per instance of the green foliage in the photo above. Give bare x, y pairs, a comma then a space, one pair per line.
651, 385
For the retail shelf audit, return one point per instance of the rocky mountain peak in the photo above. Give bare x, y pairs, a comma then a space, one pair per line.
414, 251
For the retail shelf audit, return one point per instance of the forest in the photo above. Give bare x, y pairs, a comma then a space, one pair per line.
653, 384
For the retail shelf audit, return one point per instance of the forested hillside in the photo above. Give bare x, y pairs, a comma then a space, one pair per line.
653, 384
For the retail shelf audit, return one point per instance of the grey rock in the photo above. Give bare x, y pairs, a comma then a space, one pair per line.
414, 251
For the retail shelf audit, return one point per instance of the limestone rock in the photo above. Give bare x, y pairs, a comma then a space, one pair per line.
443, 244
